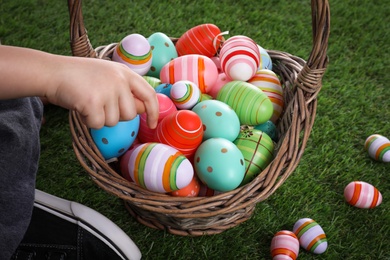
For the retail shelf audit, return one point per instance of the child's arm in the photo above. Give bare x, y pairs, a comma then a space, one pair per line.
103, 92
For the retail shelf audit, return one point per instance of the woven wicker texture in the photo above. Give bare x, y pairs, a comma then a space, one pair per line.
302, 81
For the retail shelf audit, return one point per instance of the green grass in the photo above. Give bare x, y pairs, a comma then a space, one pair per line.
353, 104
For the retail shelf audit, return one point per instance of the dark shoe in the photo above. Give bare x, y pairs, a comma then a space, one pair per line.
62, 229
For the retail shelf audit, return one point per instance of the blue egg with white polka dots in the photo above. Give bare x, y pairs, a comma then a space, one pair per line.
114, 141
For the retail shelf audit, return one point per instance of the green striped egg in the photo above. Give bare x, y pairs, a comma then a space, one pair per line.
250, 103
257, 148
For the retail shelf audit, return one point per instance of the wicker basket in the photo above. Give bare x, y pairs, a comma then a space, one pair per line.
211, 215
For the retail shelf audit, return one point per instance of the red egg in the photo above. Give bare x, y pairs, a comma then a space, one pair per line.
166, 107
191, 190
203, 39
198, 69
182, 130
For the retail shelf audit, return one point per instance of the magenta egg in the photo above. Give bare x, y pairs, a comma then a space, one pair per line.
240, 57
196, 68
361, 194
284, 245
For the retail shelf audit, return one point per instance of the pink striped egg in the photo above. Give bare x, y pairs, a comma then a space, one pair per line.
240, 57
269, 83
134, 51
203, 39
311, 235
363, 195
158, 167
185, 94
196, 68
378, 147
284, 246
166, 107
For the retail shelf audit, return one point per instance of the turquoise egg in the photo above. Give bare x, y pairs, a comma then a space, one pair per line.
219, 120
219, 164
163, 51
269, 128
164, 88
114, 141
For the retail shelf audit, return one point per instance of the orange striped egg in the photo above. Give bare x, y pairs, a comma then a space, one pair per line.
362, 195
203, 39
182, 130
284, 245
185, 94
378, 147
269, 83
311, 235
159, 167
240, 57
134, 51
251, 104
166, 107
196, 68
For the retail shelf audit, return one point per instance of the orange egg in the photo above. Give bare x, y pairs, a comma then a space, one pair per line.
191, 190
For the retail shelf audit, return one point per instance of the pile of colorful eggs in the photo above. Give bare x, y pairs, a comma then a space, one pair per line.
219, 104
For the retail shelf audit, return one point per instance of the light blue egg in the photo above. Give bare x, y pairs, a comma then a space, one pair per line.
269, 128
164, 88
114, 141
266, 61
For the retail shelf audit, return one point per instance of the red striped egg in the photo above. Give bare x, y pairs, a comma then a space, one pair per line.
166, 107
240, 57
159, 167
269, 83
196, 68
185, 94
284, 245
134, 51
361, 194
182, 130
311, 235
378, 147
204, 39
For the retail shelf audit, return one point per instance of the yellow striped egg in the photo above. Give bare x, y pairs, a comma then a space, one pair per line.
311, 235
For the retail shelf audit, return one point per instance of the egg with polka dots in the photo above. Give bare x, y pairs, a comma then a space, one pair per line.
163, 51
114, 141
219, 164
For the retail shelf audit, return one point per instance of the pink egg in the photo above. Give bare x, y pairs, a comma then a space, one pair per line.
270, 84
362, 195
166, 107
311, 236
185, 94
182, 130
159, 167
193, 67
284, 245
221, 81
240, 57
134, 51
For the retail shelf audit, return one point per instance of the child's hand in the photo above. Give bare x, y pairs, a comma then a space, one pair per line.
103, 92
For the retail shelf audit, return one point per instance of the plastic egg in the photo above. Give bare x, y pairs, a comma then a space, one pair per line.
219, 120
257, 148
378, 147
240, 57
114, 141
164, 88
166, 107
284, 245
182, 130
203, 39
191, 190
270, 84
269, 128
265, 59
163, 51
159, 167
196, 68
252, 106
363, 195
185, 94
219, 164
311, 235
135, 52
221, 81
154, 82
